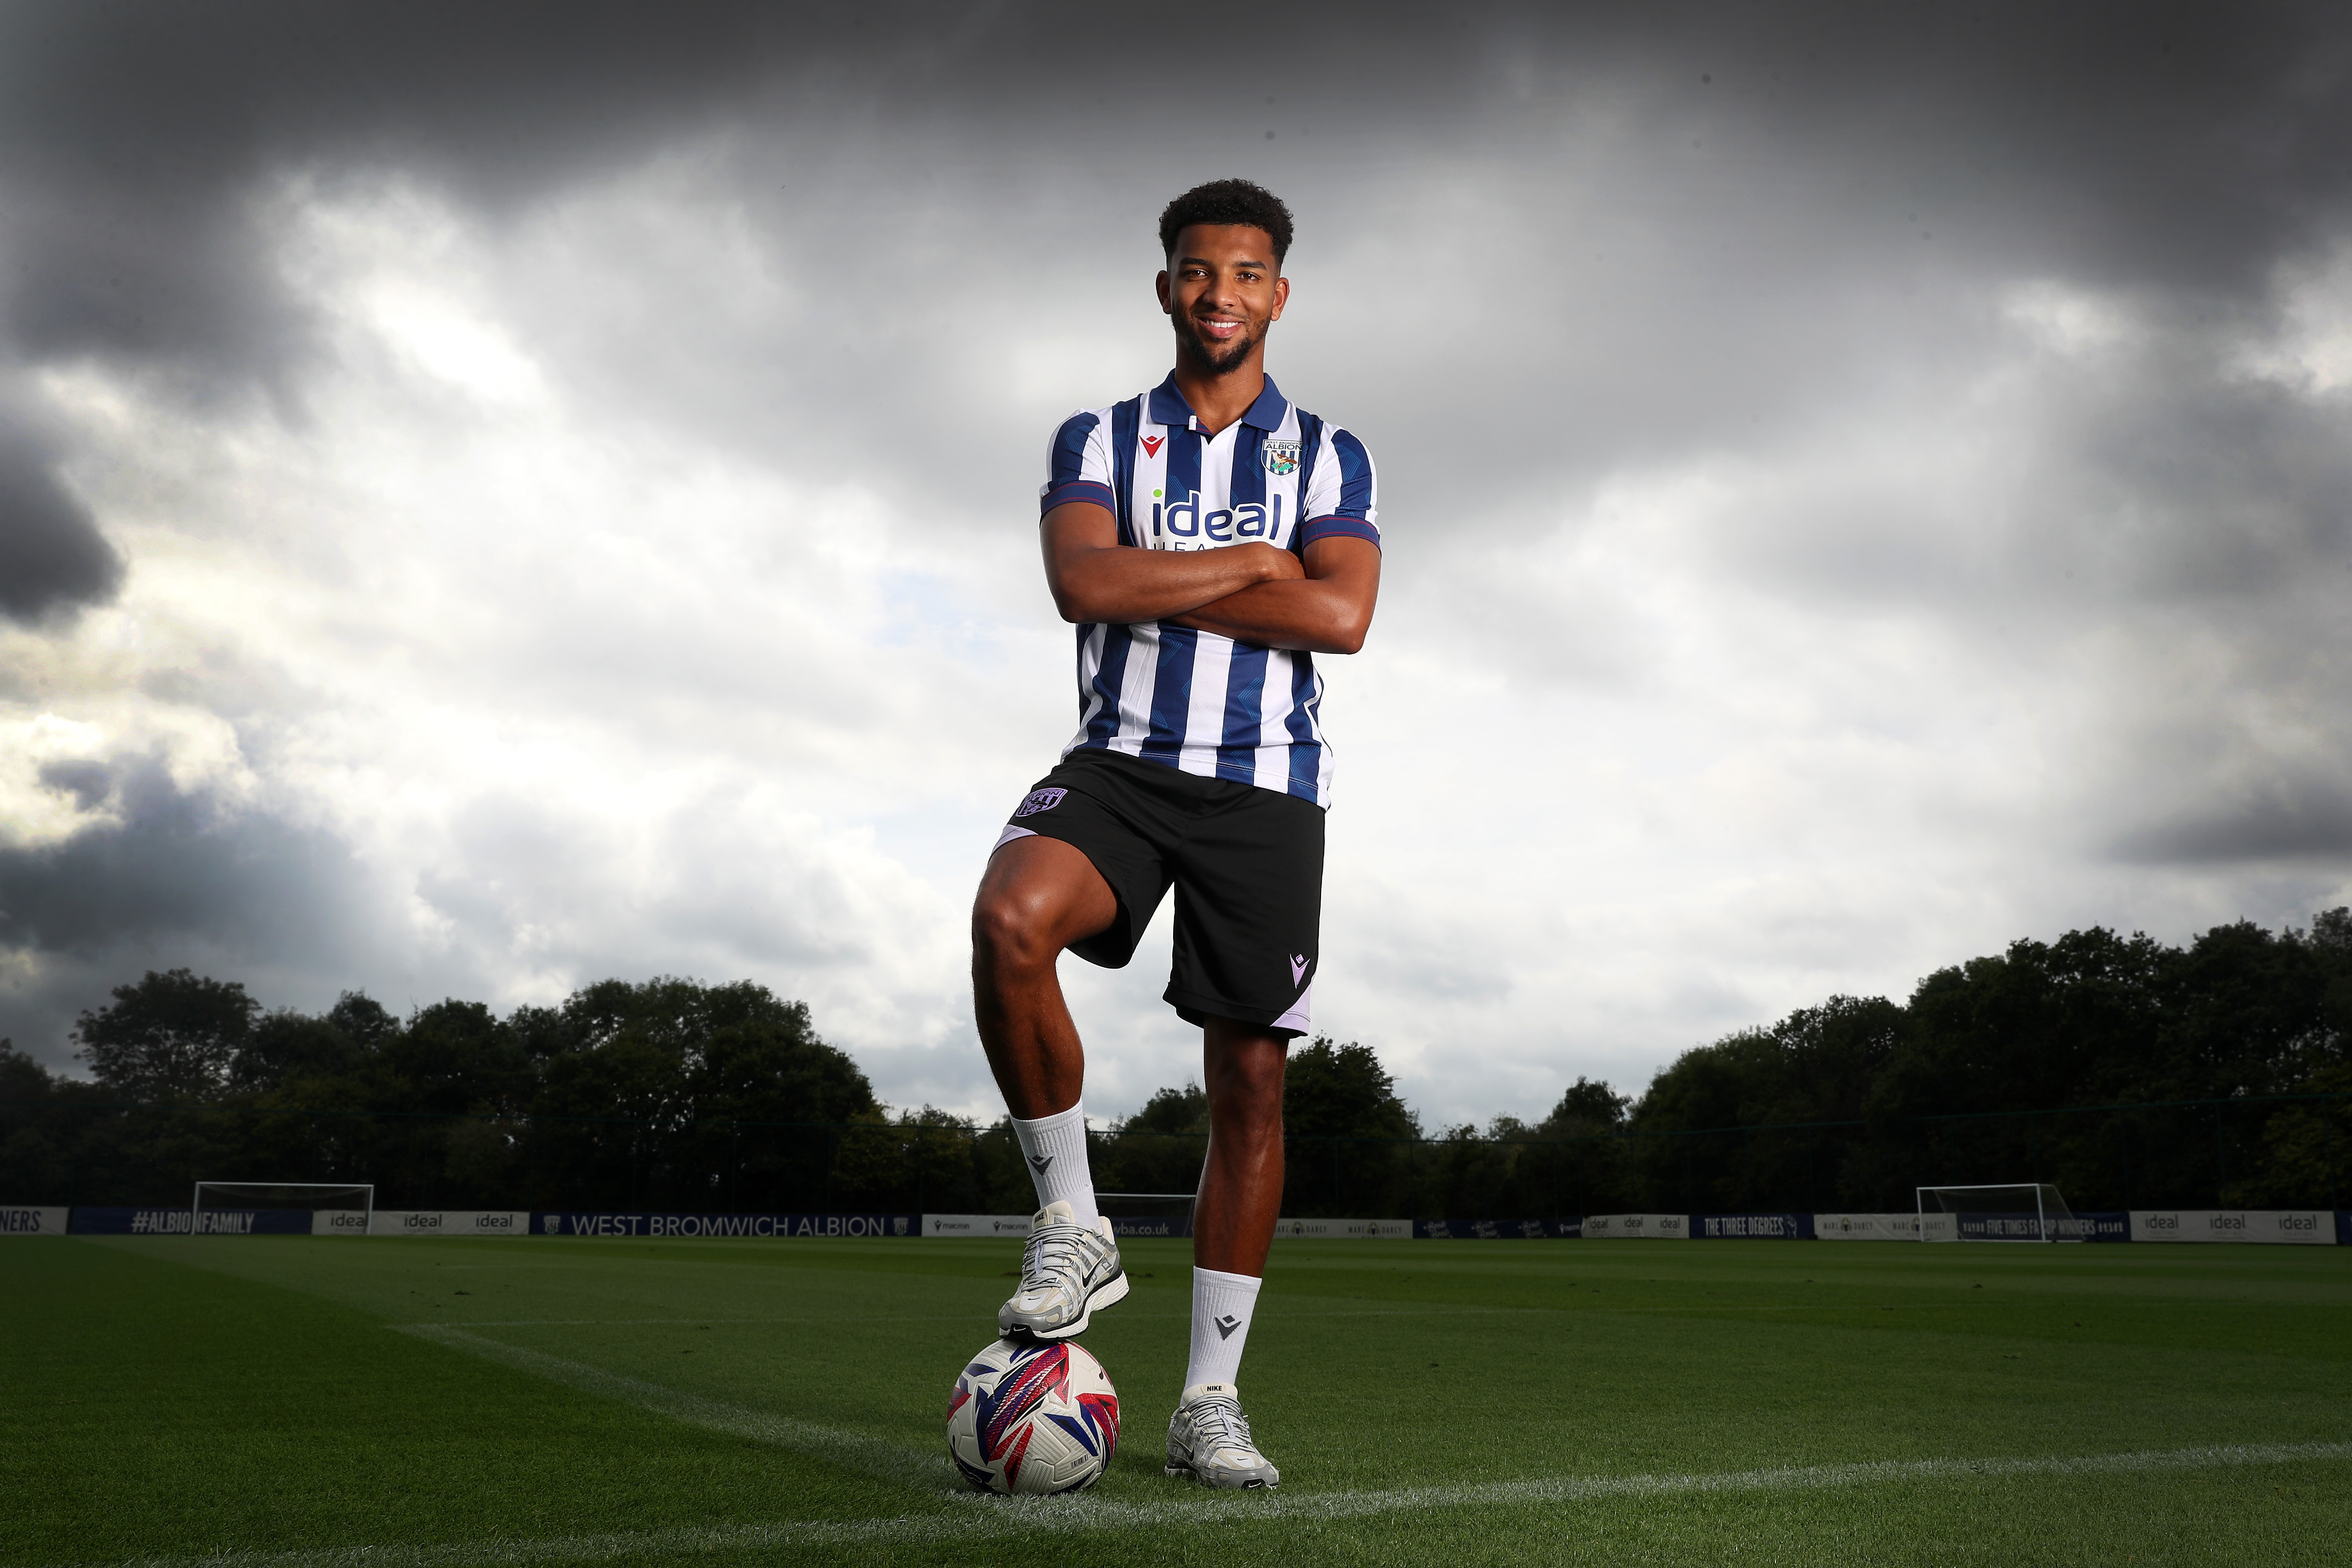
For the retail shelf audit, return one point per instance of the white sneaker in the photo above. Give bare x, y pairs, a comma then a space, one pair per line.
1209, 1440
1067, 1269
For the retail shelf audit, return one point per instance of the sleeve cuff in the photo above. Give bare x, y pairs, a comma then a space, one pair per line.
1080, 491
1335, 526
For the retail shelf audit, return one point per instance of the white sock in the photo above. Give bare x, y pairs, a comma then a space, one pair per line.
1055, 1149
1222, 1305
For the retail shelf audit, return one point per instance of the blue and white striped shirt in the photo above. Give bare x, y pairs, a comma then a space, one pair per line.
1191, 699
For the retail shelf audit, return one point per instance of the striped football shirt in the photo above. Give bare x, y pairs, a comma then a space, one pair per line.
1191, 699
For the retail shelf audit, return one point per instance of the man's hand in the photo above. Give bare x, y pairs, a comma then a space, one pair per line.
1095, 578
1327, 610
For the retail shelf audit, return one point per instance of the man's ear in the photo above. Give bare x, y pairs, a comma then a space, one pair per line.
1281, 297
1159, 285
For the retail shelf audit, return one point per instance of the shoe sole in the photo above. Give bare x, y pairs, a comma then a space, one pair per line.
1110, 1292
1253, 1484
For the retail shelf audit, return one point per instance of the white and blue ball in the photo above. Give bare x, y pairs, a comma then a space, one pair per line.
1033, 1418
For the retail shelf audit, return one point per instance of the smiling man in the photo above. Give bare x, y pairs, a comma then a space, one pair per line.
1208, 538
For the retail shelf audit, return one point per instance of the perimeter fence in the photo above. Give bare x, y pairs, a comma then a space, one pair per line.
2277, 1151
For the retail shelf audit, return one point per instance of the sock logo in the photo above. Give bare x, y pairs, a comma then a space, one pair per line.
1227, 1325
1041, 1161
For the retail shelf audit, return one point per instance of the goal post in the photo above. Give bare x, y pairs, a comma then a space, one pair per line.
336, 1208
1997, 1211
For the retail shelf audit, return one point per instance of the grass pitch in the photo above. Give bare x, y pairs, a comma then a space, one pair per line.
306, 1403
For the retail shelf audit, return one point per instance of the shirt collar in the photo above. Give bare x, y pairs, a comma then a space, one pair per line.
1169, 407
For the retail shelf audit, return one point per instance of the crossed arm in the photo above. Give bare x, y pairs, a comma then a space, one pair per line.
1251, 592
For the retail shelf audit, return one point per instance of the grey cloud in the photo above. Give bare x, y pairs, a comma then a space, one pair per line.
52, 556
2288, 818
175, 865
178, 877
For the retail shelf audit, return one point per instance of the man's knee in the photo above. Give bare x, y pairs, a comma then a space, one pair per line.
1245, 1076
1012, 929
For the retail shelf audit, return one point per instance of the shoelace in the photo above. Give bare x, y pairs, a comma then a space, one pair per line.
1219, 1422
1056, 1255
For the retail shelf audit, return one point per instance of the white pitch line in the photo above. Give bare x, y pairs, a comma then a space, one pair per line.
974, 1518
852, 1450
930, 1318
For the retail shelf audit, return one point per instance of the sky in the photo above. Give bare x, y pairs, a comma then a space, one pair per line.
492, 498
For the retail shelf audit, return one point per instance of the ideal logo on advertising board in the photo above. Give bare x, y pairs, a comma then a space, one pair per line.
2292, 1227
445, 1222
31, 1219
1636, 1228
761, 1226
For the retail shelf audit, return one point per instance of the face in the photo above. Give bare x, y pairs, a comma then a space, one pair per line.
1222, 290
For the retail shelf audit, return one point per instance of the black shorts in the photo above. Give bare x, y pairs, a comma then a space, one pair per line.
1247, 864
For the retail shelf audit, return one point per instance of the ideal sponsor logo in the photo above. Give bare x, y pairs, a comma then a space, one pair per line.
1183, 519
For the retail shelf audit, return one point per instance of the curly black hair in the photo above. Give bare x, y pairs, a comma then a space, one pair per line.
1227, 201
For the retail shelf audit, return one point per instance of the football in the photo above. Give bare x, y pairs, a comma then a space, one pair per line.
1033, 1418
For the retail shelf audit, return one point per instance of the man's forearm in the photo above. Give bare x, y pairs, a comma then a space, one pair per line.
1328, 611
1094, 578
1313, 617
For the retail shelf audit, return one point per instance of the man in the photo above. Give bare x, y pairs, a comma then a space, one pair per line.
1207, 538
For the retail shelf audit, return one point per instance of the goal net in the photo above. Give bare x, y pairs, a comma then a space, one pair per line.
286, 1209
2018, 1211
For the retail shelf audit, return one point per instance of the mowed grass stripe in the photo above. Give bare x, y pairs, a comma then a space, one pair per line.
977, 1518
870, 1456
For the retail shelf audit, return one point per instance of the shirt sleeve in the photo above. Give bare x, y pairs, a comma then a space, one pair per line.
1342, 493
1078, 464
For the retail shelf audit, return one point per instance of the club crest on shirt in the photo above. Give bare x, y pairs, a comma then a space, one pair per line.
1281, 457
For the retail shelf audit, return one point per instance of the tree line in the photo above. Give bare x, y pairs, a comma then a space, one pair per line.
2129, 1072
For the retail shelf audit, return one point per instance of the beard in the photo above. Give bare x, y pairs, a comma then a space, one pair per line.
1217, 359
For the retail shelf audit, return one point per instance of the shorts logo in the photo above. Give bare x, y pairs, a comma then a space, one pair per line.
1041, 800
1151, 445
1281, 457
1298, 968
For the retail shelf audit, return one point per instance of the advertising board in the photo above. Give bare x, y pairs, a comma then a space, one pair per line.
436, 1222
2291, 1228
765, 1227
1343, 1229
989, 1224
1751, 1228
1637, 1227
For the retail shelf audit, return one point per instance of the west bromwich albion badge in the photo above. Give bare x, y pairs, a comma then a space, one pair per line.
1281, 457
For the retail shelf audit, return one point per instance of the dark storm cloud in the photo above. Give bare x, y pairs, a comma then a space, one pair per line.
2189, 144
52, 556
175, 878
175, 866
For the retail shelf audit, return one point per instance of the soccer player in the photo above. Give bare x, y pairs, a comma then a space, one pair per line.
1207, 538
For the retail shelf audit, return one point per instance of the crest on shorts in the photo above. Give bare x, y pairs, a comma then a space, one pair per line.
1041, 800
1281, 457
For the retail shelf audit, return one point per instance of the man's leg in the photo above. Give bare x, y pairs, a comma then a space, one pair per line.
1241, 1184
1241, 1193
1233, 1226
1037, 896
